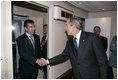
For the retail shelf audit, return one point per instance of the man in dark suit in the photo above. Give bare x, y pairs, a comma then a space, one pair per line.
29, 51
103, 39
44, 47
44, 42
85, 51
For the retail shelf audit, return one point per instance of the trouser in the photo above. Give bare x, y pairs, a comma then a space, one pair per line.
45, 71
110, 73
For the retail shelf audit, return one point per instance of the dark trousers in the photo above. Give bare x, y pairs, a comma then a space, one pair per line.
110, 73
45, 71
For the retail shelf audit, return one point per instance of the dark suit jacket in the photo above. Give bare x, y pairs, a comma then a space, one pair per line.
28, 55
104, 42
44, 48
90, 60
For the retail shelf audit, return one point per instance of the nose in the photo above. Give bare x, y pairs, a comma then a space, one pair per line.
66, 27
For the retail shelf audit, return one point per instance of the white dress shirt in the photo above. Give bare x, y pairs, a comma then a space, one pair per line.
78, 37
31, 37
28, 35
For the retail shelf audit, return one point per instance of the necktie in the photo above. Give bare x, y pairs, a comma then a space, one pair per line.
32, 40
75, 42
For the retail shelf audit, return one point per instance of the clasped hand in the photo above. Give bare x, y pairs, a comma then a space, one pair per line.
41, 62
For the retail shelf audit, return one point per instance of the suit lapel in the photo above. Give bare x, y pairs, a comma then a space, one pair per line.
78, 54
82, 43
74, 52
35, 40
27, 41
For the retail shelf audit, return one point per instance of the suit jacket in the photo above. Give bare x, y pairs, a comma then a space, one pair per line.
104, 42
28, 55
90, 60
113, 56
44, 48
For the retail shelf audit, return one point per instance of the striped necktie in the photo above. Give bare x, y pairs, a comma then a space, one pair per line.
32, 40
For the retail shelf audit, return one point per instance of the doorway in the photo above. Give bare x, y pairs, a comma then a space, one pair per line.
21, 11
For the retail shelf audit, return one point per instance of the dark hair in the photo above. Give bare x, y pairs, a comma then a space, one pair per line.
28, 21
96, 27
45, 25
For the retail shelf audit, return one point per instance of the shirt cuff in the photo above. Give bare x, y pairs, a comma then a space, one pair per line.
47, 61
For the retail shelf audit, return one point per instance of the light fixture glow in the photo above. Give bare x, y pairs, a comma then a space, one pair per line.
80, 3
12, 28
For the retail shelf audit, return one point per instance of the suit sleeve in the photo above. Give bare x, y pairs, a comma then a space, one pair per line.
106, 44
23, 53
39, 48
101, 57
61, 57
113, 45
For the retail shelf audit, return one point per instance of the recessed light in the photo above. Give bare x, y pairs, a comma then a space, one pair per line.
102, 9
80, 2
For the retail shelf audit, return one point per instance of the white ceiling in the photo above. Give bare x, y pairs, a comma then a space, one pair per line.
94, 6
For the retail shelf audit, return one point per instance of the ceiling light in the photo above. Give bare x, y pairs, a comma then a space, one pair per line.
80, 3
102, 9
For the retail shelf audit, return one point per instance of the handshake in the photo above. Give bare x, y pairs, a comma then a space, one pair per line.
42, 62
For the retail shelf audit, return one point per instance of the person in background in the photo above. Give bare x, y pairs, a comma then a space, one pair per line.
29, 51
44, 47
44, 42
85, 51
97, 30
113, 56
103, 39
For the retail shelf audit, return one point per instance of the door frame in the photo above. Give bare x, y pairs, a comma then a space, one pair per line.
8, 41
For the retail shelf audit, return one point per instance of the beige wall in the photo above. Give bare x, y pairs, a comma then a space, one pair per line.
112, 14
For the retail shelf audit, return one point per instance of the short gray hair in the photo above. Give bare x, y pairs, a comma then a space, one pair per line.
76, 22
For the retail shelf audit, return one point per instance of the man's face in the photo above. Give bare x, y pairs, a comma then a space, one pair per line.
69, 28
45, 30
97, 31
30, 28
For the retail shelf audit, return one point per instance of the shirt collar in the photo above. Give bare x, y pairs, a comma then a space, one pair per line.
78, 34
28, 34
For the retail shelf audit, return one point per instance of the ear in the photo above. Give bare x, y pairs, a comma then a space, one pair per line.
25, 29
